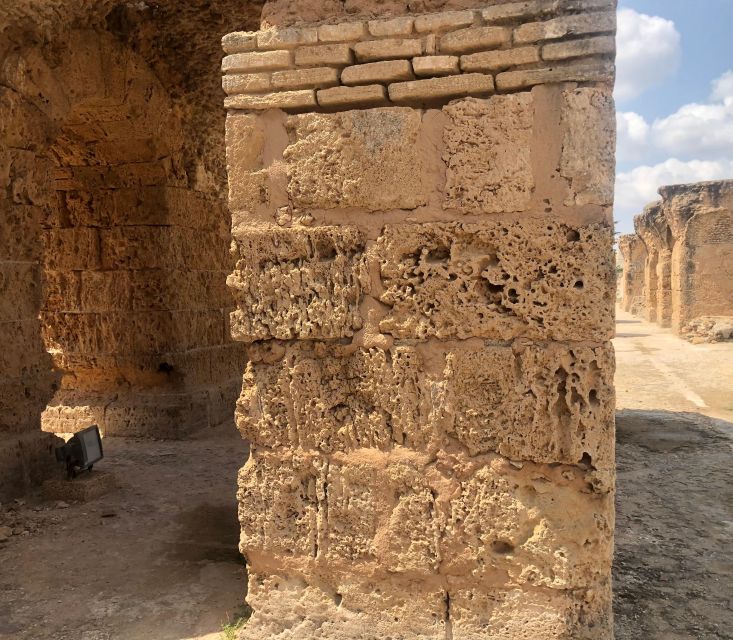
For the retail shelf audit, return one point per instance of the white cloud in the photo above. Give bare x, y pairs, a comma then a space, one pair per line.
697, 130
637, 188
649, 51
633, 136
722, 88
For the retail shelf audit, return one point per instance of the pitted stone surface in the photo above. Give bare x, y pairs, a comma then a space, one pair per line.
297, 284
488, 154
545, 281
365, 159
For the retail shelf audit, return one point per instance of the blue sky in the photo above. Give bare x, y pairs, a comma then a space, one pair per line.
674, 97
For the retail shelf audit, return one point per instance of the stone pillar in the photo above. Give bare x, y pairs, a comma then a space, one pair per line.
634, 256
421, 218
701, 219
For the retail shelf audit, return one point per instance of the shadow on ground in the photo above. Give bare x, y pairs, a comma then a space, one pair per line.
674, 529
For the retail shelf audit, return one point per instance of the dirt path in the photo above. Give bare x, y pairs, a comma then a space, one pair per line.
674, 529
157, 559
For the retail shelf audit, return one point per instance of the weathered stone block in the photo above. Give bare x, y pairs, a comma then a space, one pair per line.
488, 154
378, 165
503, 59
297, 284
324, 55
373, 72
426, 66
246, 83
474, 39
588, 154
257, 61
430, 89
601, 45
375, 50
392, 27
577, 72
239, 42
282, 100
286, 38
540, 280
374, 95
316, 78
577, 25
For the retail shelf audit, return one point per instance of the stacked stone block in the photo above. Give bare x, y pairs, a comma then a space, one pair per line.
429, 58
634, 255
426, 292
688, 271
113, 259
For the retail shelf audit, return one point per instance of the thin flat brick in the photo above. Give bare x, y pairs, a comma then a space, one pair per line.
474, 39
282, 100
374, 50
579, 48
391, 28
469, 84
324, 55
534, 8
514, 80
374, 72
501, 59
568, 26
434, 22
436, 66
239, 42
257, 61
246, 83
345, 32
366, 96
318, 78
286, 38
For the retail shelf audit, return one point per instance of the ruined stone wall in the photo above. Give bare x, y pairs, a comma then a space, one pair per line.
634, 262
689, 265
114, 235
421, 221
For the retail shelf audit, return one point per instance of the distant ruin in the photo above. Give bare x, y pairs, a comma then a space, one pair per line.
421, 215
685, 244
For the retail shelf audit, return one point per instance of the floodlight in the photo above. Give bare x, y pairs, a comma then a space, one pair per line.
82, 451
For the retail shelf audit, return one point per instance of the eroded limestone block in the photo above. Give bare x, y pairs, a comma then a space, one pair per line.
297, 283
488, 154
588, 155
453, 525
545, 403
499, 281
369, 158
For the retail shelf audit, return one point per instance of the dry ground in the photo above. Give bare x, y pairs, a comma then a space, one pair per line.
157, 558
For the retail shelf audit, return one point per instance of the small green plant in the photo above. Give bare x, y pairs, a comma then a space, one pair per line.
235, 623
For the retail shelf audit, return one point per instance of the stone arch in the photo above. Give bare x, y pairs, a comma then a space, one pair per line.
119, 248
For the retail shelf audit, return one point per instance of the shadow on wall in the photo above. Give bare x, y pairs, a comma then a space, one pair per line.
673, 540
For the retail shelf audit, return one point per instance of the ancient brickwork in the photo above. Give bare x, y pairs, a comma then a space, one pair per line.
634, 255
427, 59
113, 255
688, 274
425, 285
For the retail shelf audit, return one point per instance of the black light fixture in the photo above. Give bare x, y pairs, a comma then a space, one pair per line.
82, 451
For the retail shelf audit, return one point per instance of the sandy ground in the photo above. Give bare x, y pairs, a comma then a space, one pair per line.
674, 528
157, 558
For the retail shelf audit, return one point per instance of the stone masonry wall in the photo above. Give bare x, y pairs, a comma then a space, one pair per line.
634, 261
425, 285
688, 277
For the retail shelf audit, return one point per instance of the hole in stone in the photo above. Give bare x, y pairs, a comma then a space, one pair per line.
579, 284
164, 367
337, 599
502, 547
573, 236
586, 460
